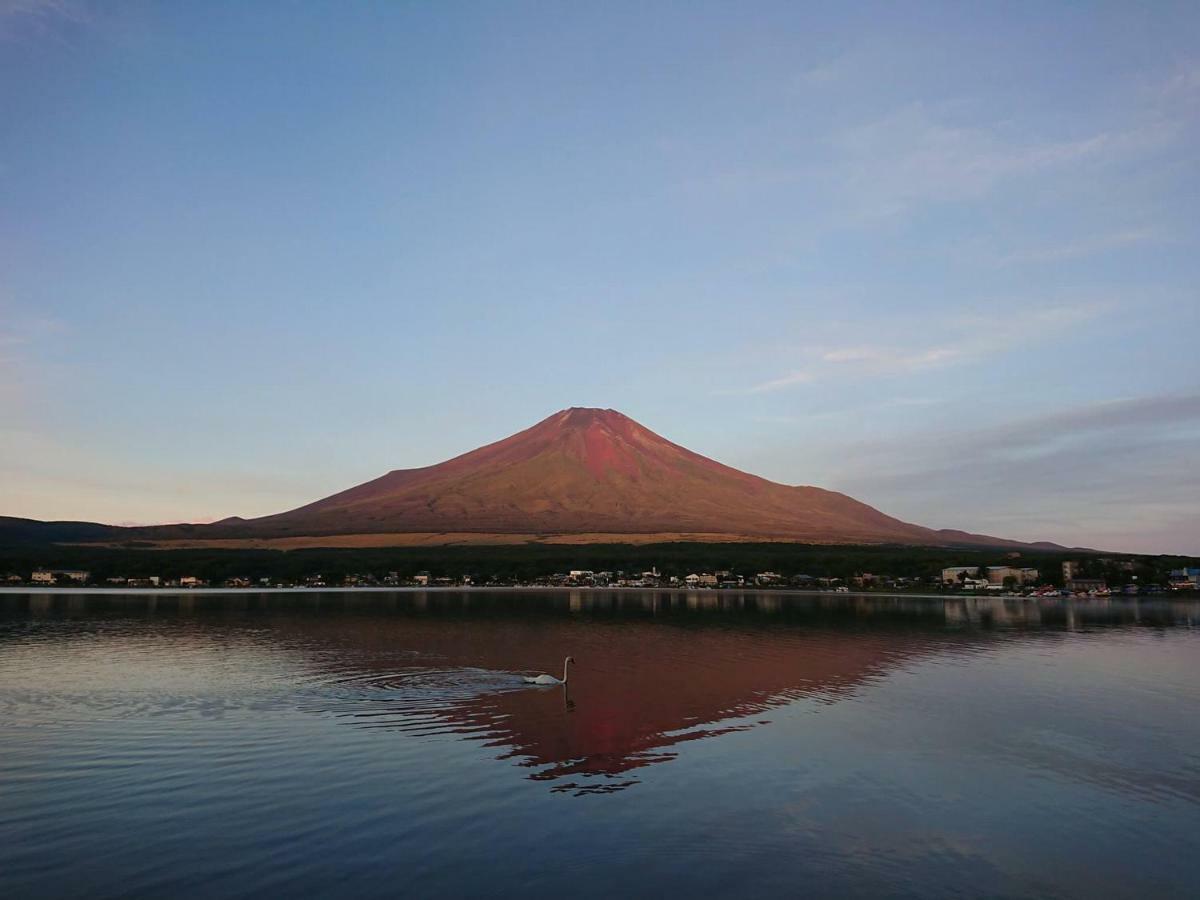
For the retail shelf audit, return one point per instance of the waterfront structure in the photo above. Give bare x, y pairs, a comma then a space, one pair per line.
1182, 579
1023, 576
955, 574
50, 576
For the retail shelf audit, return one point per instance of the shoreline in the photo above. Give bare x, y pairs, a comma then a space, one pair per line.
441, 589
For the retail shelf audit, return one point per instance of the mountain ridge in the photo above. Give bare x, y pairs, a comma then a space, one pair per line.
580, 471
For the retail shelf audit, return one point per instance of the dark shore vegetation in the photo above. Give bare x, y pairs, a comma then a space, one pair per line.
531, 561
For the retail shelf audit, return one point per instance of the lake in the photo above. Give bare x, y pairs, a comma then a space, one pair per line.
372, 744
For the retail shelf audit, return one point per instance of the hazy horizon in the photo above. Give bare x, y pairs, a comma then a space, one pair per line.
940, 258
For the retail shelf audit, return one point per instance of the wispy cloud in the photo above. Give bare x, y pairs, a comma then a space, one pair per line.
40, 17
1181, 88
784, 381
963, 338
1118, 474
914, 156
1083, 247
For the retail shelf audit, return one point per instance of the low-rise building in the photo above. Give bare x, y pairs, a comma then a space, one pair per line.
50, 576
955, 574
1077, 585
1023, 576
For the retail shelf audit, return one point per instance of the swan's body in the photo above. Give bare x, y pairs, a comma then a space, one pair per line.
550, 679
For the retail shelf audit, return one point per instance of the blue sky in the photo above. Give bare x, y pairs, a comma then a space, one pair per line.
940, 257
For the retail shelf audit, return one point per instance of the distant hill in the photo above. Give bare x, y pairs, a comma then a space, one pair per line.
580, 475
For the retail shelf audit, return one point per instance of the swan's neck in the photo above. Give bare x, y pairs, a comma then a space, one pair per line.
565, 667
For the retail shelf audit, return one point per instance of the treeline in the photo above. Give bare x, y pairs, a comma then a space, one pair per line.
527, 562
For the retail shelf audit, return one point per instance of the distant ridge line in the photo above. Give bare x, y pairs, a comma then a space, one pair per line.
579, 474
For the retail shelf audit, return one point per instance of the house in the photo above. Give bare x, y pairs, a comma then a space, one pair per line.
1076, 585
996, 575
191, 581
764, 578
955, 574
50, 576
422, 578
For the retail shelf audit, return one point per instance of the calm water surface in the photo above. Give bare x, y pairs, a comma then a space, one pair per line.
371, 744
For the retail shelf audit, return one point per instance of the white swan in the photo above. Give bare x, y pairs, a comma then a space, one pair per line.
550, 679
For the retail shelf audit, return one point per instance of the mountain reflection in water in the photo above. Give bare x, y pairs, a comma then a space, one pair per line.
432, 662
369, 743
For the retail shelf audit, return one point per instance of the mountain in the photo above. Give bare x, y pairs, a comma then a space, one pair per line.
581, 475
596, 472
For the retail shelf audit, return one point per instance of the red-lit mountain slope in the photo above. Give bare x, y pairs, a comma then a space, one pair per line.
586, 471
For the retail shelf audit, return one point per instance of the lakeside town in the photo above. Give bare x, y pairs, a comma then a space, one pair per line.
1077, 578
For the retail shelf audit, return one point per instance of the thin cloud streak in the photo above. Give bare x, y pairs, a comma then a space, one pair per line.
39, 17
1102, 475
1084, 247
962, 344
911, 158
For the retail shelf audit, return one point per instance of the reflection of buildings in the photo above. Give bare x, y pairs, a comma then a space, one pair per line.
993, 611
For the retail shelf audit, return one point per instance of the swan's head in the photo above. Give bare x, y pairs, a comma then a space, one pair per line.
571, 660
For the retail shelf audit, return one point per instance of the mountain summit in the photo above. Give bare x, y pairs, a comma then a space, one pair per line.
596, 472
